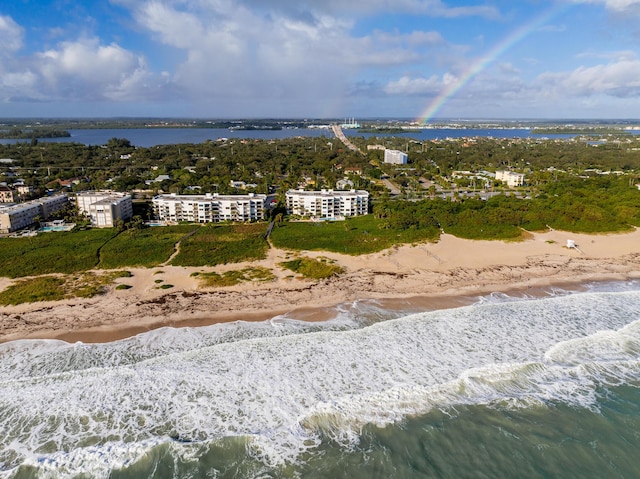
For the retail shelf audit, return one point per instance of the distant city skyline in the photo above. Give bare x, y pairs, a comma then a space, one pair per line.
418, 59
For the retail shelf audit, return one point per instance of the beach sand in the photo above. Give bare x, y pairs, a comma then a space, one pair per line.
427, 276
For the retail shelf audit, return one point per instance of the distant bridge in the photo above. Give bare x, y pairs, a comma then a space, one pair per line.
337, 130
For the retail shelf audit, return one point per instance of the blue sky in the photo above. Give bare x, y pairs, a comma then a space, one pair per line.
320, 58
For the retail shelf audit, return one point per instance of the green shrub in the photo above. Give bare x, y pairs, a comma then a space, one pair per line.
320, 268
55, 288
231, 278
44, 288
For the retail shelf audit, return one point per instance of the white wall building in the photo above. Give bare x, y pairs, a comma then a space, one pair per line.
7, 195
395, 157
327, 203
13, 218
210, 208
510, 178
105, 208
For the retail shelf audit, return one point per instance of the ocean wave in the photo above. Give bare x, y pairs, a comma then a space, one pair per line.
283, 388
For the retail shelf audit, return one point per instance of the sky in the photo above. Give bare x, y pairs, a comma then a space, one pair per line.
415, 59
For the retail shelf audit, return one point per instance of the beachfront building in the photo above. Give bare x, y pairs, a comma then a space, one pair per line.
510, 178
23, 215
105, 208
210, 208
395, 157
327, 204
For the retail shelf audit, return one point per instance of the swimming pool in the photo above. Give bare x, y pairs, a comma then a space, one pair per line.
48, 229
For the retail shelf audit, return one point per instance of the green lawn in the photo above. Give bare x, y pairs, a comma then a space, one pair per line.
222, 244
59, 252
358, 235
148, 247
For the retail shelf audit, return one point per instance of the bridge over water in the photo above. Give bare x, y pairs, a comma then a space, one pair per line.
337, 130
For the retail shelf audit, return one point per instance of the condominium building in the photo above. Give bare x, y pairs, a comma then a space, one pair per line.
210, 208
13, 218
395, 157
327, 203
510, 178
105, 208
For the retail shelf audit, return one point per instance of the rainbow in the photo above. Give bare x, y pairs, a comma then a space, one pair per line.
509, 41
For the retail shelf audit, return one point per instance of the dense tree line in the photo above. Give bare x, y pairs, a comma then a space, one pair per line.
266, 166
33, 133
211, 165
599, 204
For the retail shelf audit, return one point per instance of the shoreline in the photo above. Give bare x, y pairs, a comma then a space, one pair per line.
425, 276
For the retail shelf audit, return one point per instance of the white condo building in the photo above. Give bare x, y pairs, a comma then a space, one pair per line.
105, 208
210, 208
510, 178
327, 203
395, 157
15, 217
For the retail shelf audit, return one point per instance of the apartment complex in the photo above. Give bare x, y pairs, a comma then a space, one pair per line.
510, 178
105, 208
210, 208
395, 157
327, 203
15, 217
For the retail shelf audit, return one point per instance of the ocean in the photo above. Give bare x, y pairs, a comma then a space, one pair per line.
504, 387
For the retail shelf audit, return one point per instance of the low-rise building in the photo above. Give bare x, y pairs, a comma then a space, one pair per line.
7, 195
395, 157
327, 203
510, 178
13, 218
158, 179
344, 184
105, 208
210, 208
24, 190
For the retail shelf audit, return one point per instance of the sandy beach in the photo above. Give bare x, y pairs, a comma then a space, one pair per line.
427, 275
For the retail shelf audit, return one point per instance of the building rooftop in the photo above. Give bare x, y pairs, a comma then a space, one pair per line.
209, 196
328, 192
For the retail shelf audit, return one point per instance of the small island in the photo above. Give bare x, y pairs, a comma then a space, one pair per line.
19, 134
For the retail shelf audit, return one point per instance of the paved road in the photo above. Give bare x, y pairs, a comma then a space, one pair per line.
341, 136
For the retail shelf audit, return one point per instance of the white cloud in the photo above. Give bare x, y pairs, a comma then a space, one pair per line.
79, 71
85, 69
613, 87
614, 5
434, 8
413, 39
289, 51
417, 86
617, 79
11, 35
234, 52
614, 56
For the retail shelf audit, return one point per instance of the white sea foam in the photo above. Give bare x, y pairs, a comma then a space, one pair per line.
286, 385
